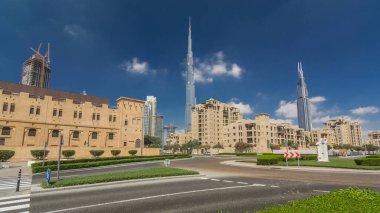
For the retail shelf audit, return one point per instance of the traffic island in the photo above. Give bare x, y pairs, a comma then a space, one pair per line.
344, 200
118, 176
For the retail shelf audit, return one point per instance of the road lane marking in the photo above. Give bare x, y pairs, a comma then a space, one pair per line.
321, 191
14, 201
256, 184
10, 208
204, 178
14, 197
228, 181
273, 186
215, 179
242, 182
149, 197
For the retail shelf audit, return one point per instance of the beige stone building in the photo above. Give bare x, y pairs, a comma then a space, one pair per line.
345, 131
31, 116
261, 133
316, 134
179, 138
209, 119
374, 138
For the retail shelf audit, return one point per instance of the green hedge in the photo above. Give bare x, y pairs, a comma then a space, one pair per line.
303, 157
37, 169
246, 154
6, 155
349, 200
368, 161
267, 160
373, 156
87, 160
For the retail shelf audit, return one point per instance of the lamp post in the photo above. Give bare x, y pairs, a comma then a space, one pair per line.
142, 130
59, 156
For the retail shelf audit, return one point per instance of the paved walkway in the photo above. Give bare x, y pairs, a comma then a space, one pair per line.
301, 168
8, 179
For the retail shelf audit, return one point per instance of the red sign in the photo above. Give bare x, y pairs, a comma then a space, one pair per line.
292, 155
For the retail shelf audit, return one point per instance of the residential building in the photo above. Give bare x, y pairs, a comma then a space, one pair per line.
316, 134
36, 70
345, 131
303, 102
374, 138
31, 116
209, 119
179, 138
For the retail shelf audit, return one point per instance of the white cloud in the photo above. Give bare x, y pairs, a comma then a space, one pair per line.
365, 110
215, 66
287, 109
74, 30
280, 121
317, 99
135, 66
244, 108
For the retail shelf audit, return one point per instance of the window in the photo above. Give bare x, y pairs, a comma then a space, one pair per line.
6, 131
38, 111
32, 132
54, 112
98, 117
93, 116
94, 135
126, 122
110, 136
80, 115
114, 118
110, 118
31, 110
55, 133
5, 107
13, 106
125, 143
2, 141
60, 113
75, 114
76, 134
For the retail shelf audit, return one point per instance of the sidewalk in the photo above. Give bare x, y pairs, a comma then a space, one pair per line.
8, 179
302, 168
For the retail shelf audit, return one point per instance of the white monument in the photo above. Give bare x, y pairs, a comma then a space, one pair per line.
322, 150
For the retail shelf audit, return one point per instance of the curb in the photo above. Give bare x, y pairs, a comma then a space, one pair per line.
36, 189
302, 168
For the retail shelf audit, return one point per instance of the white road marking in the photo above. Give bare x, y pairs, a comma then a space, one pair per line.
215, 179
256, 184
228, 181
14, 201
14, 197
149, 197
321, 191
10, 208
273, 186
204, 178
242, 182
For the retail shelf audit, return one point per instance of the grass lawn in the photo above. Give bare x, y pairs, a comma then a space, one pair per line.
344, 200
119, 176
334, 163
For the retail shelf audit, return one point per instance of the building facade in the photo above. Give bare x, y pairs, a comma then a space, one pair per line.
345, 131
374, 138
179, 138
36, 70
303, 102
31, 116
150, 116
209, 119
261, 133
190, 84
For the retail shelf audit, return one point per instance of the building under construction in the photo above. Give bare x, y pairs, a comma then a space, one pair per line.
36, 70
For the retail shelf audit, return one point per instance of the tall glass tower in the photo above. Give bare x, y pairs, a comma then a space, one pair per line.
190, 87
303, 102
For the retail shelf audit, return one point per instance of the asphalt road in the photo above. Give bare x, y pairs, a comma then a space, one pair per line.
219, 188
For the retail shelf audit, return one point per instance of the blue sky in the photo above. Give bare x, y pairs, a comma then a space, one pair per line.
246, 52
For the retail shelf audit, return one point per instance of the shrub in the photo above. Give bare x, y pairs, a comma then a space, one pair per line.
6, 155
246, 154
115, 152
39, 154
68, 153
373, 156
132, 152
309, 157
368, 161
267, 160
96, 153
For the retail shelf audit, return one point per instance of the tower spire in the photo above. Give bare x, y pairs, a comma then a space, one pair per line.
190, 87
303, 102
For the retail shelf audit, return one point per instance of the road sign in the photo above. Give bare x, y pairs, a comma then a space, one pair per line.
167, 162
47, 175
292, 155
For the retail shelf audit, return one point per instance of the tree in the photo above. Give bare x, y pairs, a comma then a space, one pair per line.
167, 147
175, 147
218, 146
307, 141
96, 153
241, 147
68, 153
6, 155
115, 152
371, 147
152, 141
132, 152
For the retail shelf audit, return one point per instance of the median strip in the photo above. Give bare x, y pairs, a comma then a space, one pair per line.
118, 176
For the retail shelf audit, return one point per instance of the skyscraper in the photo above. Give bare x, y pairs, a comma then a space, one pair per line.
36, 70
190, 87
150, 115
303, 102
